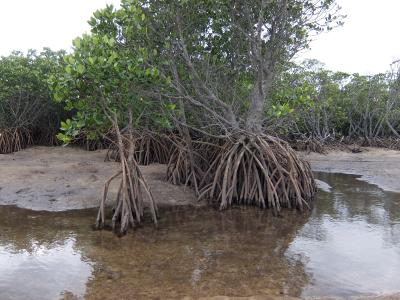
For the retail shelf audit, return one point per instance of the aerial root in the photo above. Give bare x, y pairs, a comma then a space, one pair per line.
14, 139
149, 147
129, 205
186, 165
259, 170
310, 144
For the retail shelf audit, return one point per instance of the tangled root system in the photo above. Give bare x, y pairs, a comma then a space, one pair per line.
186, 164
14, 139
149, 148
259, 170
308, 144
129, 207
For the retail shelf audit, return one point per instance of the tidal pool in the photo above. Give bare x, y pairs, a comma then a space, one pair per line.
349, 245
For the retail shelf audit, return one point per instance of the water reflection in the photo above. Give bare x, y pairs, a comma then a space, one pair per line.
348, 245
38, 256
351, 245
201, 253
43, 273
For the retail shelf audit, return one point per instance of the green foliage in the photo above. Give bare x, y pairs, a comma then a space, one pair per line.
103, 79
198, 54
308, 99
203, 63
25, 99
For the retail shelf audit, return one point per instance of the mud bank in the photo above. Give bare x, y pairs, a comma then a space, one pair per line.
62, 178
375, 165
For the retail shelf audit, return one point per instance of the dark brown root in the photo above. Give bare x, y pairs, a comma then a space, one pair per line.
319, 145
129, 207
392, 143
14, 139
46, 137
308, 144
149, 147
259, 170
87, 144
189, 162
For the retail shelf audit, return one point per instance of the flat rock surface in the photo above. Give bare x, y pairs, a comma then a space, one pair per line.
64, 178
375, 165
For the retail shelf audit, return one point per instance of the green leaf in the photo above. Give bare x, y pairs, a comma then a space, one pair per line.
171, 106
148, 72
64, 126
111, 42
80, 69
68, 69
71, 60
97, 14
58, 97
64, 138
77, 43
105, 39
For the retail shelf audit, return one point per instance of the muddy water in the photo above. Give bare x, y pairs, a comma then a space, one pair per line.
349, 245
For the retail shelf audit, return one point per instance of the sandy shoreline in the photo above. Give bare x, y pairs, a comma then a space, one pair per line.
375, 165
62, 178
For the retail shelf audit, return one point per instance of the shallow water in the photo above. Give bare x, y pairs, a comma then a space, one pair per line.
349, 245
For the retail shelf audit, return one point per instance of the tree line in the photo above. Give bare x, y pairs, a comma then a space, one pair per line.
306, 100
28, 112
311, 101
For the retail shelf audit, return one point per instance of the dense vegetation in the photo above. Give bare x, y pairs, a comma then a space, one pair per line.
307, 101
310, 101
208, 87
28, 114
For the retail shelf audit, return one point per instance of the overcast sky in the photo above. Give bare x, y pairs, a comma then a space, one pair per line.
367, 43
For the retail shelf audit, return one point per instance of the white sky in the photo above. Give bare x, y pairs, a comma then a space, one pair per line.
367, 43
34, 24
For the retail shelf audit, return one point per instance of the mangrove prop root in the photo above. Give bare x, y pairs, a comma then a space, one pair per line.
14, 139
322, 145
129, 206
259, 170
187, 164
149, 148
309, 144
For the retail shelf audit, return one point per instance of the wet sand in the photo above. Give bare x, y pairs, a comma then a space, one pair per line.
63, 178
375, 165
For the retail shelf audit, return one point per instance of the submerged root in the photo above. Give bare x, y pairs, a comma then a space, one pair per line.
259, 170
392, 143
129, 207
322, 145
